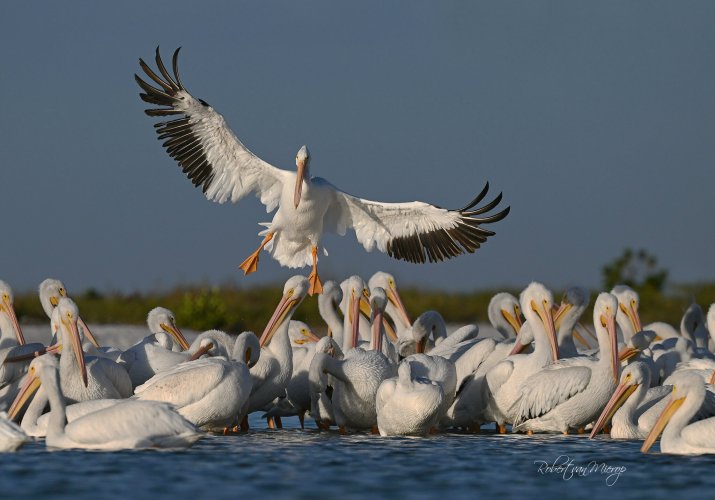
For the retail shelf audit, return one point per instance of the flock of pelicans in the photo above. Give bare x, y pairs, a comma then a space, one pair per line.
374, 371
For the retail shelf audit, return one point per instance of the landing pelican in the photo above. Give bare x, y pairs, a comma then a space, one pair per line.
216, 160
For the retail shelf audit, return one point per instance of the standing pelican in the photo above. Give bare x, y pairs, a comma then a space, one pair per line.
504, 381
216, 160
680, 437
273, 371
408, 405
128, 424
569, 394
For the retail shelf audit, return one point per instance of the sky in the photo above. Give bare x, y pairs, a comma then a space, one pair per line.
595, 119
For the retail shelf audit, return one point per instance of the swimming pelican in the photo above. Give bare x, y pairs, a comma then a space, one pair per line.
129, 424
274, 368
504, 381
12, 436
408, 405
630, 409
212, 393
216, 160
570, 393
680, 437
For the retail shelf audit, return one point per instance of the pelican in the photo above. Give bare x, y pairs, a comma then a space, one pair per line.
679, 436
571, 393
395, 309
628, 319
212, 393
12, 436
693, 326
50, 292
154, 353
355, 379
8, 319
273, 371
216, 160
711, 327
505, 379
328, 303
90, 377
573, 305
631, 407
504, 314
408, 405
129, 424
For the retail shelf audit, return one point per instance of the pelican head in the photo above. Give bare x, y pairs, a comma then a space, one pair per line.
689, 385
637, 344
302, 161
357, 295
504, 314
387, 282
247, 349
7, 310
634, 375
51, 291
294, 292
48, 366
575, 297
692, 319
300, 333
68, 315
628, 301
604, 319
160, 320
537, 303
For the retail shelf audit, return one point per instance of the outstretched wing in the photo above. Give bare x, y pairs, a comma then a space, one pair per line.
203, 145
414, 231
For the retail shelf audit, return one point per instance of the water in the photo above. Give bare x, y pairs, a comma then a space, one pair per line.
308, 464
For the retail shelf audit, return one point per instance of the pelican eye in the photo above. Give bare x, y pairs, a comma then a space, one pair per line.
62, 292
5, 296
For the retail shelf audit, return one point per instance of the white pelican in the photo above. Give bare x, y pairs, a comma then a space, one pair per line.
395, 309
711, 327
216, 160
148, 357
355, 380
11, 435
573, 305
679, 435
356, 314
50, 292
83, 377
212, 393
628, 319
274, 369
408, 405
328, 303
570, 393
378, 304
504, 381
630, 409
128, 424
504, 314
693, 325
8, 319
437, 370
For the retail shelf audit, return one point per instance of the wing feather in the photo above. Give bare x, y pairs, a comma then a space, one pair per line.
203, 145
416, 231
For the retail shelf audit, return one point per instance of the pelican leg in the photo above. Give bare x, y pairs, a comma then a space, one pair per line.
529, 432
250, 265
501, 428
581, 430
279, 423
315, 285
301, 417
341, 430
474, 429
244, 424
374, 430
271, 423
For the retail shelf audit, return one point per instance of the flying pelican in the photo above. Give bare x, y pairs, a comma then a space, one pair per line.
680, 437
12, 436
216, 160
129, 424
273, 371
408, 405
570, 393
504, 381
212, 393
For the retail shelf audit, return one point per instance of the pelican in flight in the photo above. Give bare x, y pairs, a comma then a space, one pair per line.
215, 160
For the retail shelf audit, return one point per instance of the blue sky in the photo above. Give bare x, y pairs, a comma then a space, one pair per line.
596, 120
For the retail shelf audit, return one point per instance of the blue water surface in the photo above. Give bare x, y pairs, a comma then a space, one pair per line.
295, 463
